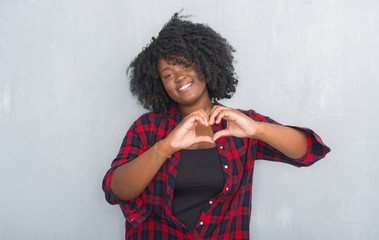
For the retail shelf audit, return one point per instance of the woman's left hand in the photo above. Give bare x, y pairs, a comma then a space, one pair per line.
238, 124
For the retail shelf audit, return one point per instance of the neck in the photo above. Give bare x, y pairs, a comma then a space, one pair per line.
186, 110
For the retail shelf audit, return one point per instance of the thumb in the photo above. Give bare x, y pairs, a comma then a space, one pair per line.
222, 133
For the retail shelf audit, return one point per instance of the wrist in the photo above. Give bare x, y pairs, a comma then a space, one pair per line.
164, 148
257, 130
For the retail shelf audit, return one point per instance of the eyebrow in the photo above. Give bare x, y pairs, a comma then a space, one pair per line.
164, 69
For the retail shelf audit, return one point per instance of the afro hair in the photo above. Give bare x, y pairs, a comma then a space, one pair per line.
182, 41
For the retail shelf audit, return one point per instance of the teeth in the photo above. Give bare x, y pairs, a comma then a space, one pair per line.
184, 86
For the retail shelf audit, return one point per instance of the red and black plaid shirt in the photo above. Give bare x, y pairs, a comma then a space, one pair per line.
225, 216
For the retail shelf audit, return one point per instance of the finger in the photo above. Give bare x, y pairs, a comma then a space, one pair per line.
203, 120
203, 113
204, 116
222, 133
214, 108
190, 122
215, 111
198, 119
222, 114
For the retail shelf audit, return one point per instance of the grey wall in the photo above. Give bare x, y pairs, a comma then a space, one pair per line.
65, 107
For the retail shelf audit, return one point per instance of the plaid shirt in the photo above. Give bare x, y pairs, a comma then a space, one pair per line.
225, 216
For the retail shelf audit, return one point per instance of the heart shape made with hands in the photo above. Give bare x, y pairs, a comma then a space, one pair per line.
237, 124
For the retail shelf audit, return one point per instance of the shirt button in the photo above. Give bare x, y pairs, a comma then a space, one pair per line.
226, 166
210, 202
221, 147
227, 189
201, 223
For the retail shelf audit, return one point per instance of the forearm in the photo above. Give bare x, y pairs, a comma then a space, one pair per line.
290, 141
131, 179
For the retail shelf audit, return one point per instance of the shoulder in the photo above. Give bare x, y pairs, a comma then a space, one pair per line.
256, 116
146, 128
249, 112
150, 118
147, 122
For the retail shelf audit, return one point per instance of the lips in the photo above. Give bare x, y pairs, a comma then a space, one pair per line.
185, 86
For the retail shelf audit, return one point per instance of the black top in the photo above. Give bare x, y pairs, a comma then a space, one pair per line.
199, 178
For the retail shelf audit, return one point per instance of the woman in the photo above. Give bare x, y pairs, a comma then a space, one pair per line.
184, 170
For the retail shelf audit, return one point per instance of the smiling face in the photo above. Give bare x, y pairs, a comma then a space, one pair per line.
183, 85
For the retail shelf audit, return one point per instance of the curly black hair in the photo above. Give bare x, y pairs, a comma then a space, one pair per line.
181, 41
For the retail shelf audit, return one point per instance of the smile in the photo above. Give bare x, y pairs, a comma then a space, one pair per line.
185, 86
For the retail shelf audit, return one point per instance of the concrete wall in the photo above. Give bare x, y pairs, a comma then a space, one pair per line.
65, 107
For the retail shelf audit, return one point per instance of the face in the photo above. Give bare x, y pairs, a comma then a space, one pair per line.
182, 83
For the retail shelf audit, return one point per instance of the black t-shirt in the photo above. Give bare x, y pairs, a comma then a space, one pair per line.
199, 178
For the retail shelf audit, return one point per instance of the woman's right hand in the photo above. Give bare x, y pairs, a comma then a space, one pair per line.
184, 135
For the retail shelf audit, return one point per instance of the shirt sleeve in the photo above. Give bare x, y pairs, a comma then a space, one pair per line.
136, 210
316, 149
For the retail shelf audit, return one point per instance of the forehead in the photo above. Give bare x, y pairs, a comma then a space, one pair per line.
173, 60
164, 63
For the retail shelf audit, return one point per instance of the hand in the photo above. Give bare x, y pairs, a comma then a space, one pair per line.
238, 124
184, 135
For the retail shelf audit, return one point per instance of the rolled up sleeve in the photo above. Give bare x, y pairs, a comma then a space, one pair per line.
316, 149
135, 210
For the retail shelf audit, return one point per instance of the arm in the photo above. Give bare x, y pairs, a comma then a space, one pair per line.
130, 179
291, 142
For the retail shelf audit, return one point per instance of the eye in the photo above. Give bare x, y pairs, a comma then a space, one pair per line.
186, 66
168, 76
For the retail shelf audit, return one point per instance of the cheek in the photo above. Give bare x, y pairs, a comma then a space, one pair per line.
166, 86
199, 75
169, 88
203, 84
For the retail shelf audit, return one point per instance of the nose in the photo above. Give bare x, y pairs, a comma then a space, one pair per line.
180, 76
